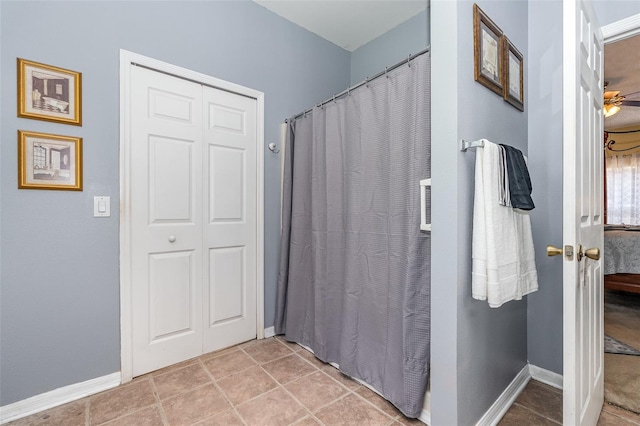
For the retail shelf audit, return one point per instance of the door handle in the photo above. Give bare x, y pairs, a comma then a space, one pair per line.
553, 251
593, 253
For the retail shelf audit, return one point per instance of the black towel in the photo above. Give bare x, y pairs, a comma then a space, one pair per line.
519, 180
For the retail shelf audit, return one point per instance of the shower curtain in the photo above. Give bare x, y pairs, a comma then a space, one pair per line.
354, 278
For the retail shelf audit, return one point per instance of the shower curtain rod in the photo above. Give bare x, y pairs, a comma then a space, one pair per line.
366, 81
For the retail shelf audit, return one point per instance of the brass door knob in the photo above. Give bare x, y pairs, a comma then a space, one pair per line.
593, 253
553, 251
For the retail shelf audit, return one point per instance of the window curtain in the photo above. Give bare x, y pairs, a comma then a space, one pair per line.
354, 278
623, 189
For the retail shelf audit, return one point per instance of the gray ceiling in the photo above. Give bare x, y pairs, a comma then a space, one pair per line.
622, 71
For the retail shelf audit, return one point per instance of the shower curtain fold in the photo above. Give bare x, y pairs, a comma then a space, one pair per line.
354, 277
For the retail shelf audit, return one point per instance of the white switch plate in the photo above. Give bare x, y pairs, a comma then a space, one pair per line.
101, 206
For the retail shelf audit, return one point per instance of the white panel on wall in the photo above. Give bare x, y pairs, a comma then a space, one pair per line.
226, 284
227, 168
171, 290
225, 118
170, 180
166, 105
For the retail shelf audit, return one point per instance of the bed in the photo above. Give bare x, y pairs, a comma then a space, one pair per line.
622, 258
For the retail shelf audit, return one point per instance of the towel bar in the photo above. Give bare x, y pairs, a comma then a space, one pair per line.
465, 145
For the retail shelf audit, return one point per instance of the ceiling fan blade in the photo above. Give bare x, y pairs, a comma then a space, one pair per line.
631, 103
630, 95
612, 94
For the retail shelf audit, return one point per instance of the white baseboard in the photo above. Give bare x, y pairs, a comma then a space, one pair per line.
517, 385
545, 376
504, 401
56, 397
269, 332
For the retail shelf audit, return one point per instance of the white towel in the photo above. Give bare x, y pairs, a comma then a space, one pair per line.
503, 257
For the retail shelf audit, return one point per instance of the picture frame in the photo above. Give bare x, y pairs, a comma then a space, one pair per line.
513, 75
48, 161
49, 93
488, 52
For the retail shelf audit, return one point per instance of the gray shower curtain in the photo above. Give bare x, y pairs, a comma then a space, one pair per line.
354, 279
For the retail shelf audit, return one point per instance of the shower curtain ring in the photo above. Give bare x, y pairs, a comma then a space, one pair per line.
366, 82
348, 91
385, 72
334, 98
409, 60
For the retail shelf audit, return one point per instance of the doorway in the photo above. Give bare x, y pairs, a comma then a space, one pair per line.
622, 308
191, 214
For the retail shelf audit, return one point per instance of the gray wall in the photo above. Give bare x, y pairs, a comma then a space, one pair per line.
491, 345
59, 311
410, 37
544, 93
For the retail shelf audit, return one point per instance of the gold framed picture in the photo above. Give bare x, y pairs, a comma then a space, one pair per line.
488, 52
49, 93
47, 161
513, 75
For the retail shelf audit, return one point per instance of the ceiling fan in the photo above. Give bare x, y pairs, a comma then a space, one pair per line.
613, 101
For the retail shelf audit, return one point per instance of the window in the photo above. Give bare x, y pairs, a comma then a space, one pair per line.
623, 189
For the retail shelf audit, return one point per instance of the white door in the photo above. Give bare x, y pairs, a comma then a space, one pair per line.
230, 219
193, 219
582, 215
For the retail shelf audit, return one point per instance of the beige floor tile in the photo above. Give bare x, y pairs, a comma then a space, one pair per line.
343, 379
267, 350
406, 421
246, 384
288, 368
352, 410
542, 399
307, 421
311, 358
220, 352
521, 416
117, 402
72, 414
198, 404
227, 364
178, 381
273, 408
381, 403
316, 390
149, 416
291, 345
226, 418
173, 367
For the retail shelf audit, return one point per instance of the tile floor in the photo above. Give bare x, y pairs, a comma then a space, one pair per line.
271, 382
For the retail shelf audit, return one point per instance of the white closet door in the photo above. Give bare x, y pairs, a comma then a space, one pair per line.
166, 219
230, 219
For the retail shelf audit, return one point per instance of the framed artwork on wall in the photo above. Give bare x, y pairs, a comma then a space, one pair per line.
49, 93
513, 75
488, 51
47, 161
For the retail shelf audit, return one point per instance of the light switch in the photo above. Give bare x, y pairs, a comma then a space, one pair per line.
101, 206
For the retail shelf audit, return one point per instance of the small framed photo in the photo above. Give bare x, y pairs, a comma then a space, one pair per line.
47, 161
487, 44
49, 93
513, 75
